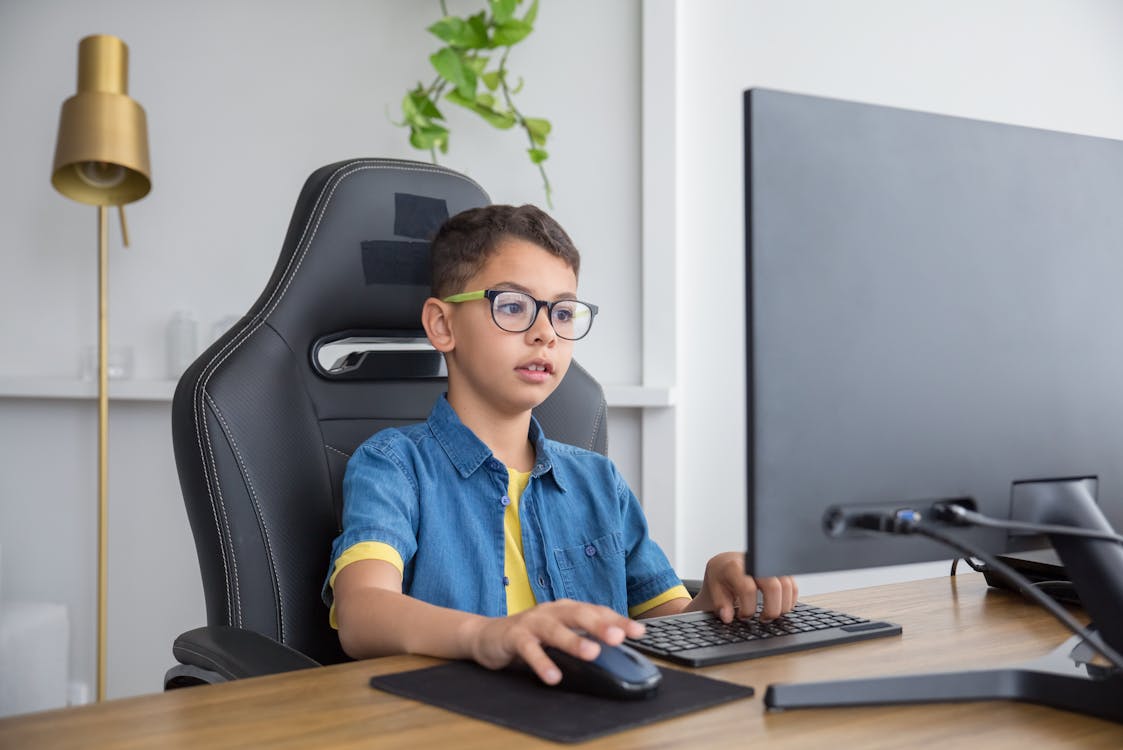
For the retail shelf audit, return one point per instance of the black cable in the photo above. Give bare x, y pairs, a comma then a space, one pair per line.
1019, 582
956, 514
908, 521
1058, 585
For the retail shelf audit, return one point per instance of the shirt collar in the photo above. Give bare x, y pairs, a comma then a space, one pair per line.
544, 458
468, 453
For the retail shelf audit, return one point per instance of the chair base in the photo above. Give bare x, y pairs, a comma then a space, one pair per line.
188, 675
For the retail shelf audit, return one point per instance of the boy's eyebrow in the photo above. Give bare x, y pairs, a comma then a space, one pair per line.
516, 287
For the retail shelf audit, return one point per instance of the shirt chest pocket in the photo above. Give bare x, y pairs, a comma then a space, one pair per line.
594, 571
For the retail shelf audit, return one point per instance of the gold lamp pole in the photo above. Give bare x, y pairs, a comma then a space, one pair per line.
101, 159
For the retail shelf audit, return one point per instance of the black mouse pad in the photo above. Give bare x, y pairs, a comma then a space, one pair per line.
517, 700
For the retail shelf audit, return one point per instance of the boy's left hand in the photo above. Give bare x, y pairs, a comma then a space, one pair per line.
727, 587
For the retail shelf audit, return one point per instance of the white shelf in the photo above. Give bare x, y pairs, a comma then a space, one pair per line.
618, 396
639, 396
75, 388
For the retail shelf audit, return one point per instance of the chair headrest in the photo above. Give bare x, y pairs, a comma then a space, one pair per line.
356, 255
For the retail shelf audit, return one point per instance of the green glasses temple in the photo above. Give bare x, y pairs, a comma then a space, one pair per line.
466, 296
482, 293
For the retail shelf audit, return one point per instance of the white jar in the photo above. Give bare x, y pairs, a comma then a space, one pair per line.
183, 342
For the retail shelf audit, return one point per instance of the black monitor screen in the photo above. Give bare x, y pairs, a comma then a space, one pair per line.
935, 310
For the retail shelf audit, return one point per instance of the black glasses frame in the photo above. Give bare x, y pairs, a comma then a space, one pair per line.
491, 294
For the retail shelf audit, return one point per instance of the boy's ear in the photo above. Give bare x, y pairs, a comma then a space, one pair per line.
438, 325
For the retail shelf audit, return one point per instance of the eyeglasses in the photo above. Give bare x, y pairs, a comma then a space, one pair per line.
516, 312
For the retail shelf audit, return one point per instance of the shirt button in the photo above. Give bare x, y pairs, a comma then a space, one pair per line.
590, 551
506, 581
504, 501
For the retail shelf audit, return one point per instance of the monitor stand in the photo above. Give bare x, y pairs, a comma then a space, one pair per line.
1065, 679
1059, 680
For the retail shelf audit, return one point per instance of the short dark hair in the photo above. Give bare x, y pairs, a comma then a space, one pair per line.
464, 242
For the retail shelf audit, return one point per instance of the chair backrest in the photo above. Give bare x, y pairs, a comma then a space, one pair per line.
262, 428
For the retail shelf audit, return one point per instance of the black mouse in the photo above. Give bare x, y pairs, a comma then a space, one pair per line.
617, 672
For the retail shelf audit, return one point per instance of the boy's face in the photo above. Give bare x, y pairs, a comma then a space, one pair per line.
495, 370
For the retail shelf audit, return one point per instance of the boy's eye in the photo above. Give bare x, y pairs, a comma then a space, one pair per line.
563, 314
510, 307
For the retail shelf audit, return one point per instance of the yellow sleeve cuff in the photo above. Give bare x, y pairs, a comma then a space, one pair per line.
367, 551
363, 551
677, 592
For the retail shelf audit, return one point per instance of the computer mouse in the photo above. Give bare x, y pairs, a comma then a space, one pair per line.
617, 672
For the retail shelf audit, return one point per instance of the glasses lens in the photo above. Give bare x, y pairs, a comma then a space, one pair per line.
571, 319
513, 311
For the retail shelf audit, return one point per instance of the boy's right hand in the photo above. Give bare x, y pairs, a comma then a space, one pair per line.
496, 642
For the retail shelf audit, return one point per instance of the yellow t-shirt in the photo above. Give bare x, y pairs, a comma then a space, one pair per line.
519, 594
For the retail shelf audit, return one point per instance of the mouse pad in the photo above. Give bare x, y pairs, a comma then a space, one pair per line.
517, 700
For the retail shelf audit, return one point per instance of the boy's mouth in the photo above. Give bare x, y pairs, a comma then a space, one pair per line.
537, 370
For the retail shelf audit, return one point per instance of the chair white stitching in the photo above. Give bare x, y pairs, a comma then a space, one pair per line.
233, 593
591, 445
260, 516
596, 429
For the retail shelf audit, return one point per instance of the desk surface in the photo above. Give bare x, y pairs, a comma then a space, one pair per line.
948, 624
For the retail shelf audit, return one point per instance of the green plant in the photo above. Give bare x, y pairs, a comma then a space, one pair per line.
463, 78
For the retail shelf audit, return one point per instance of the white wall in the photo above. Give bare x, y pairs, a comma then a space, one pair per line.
1054, 64
244, 100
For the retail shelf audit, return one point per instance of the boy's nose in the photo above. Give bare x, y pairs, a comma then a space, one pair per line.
542, 330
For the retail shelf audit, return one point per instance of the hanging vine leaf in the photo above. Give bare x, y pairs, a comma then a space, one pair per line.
484, 106
502, 10
491, 80
511, 32
449, 64
461, 69
456, 32
538, 129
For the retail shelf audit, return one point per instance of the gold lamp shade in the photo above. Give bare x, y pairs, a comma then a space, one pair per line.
101, 157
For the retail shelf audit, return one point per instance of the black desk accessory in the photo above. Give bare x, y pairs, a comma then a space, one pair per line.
700, 639
1067, 678
1063, 679
1042, 568
517, 700
618, 672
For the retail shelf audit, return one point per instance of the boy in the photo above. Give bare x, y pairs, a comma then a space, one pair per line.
474, 536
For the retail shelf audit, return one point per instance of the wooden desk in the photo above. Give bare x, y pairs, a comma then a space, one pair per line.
948, 624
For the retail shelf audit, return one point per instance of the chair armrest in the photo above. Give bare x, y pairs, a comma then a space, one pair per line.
693, 586
221, 653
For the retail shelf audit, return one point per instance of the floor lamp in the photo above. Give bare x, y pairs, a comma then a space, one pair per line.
101, 159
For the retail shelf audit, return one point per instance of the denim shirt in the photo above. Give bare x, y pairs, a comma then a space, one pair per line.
436, 494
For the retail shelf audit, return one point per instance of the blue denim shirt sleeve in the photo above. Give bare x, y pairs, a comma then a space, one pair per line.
381, 502
648, 571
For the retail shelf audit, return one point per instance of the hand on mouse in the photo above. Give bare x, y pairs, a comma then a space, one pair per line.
726, 584
498, 641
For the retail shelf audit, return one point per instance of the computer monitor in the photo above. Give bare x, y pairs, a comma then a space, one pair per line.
934, 310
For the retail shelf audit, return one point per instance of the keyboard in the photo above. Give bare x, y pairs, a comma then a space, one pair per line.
699, 639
